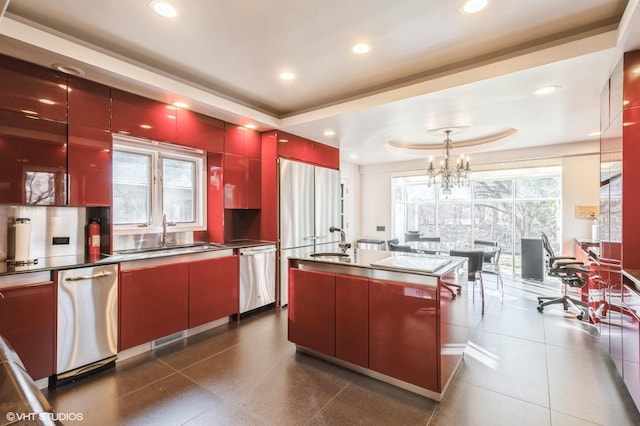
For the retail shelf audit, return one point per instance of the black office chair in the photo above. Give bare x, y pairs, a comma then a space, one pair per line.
474, 269
570, 276
392, 241
491, 262
556, 263
411, 236
399, 247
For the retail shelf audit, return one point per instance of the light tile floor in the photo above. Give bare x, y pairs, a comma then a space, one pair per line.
520, 368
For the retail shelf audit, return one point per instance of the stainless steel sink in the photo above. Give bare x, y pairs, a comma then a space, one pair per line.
151, 252
331, 256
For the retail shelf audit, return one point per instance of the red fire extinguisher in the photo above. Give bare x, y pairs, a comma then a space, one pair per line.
94, 238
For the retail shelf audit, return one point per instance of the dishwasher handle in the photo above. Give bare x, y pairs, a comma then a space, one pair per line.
89, 277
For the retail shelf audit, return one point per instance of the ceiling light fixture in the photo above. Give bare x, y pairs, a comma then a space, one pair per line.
360, 48
287, 76
250, 126
179, 104
450, 174
473, 6
67, 69
546, 90
164, 9
329, 133
593, 134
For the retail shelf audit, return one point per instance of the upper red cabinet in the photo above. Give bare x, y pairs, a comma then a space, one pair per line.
142, 117
200, 131
33, 90
33, 160
631, 88
89, 166
242, 177
89, 103
239, 140
301, 149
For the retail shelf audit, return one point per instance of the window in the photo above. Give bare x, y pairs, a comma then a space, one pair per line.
151, 179
500, 206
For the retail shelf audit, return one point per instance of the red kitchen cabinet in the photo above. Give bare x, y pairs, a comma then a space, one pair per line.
242, 177
241, 141
154, 303
142, 117
300, 149
215, 198
630, 196
631, 342
631, 87
27, 322
403, 339
352, 319
89, 166
312, 310
33, 90
33, 160
89, 103
213, 289
200, 131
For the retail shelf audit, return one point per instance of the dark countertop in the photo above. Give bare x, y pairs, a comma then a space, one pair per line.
634, 276
54, 263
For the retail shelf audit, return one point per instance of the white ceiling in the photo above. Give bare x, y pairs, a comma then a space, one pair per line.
429, 66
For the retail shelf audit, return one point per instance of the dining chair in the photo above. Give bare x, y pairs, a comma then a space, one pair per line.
411, 236
491, 262
392, 241
474, 269
399, 247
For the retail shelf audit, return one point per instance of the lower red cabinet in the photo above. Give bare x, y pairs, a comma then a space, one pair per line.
403, 341
312, 310
213, 289
352, 319
154, 303
27, 322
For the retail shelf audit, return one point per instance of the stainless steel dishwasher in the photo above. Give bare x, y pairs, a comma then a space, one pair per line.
257, 277
87, 320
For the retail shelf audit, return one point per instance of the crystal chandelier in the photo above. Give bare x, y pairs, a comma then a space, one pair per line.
450, 174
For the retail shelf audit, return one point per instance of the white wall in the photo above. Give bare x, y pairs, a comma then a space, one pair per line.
580, 172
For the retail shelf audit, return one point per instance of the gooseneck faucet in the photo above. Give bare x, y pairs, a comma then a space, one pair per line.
163, 238
343, 239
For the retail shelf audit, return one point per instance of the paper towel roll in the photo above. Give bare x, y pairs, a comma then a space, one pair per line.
22, 239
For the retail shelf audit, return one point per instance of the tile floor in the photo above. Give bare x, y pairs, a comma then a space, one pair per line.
521, 368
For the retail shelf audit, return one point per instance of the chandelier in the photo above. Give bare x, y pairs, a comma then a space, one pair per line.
450, 174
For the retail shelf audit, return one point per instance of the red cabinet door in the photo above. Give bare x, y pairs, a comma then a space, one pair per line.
89, 166
235, 181
253, 184
631, 342
215, 198
403, 338
213, 289
239, 140
154, 303
33, 160
142, 117
352, 319
89, 104
312, 310
33, 90
200, 131
27, 323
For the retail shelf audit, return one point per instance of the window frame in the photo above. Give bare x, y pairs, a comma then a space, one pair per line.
158, 151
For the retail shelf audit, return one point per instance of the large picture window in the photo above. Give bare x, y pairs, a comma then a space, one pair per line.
501, 206
151, 179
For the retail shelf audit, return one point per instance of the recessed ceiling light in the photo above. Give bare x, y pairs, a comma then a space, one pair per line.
592, 134
283, 140
353, 156
473, 6
67, 69
180, 104
250, 126
360, 48
287, 76
46, 101
329, 133
163, 8
546, 90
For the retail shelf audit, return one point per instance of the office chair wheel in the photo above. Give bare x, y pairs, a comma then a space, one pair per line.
540, 308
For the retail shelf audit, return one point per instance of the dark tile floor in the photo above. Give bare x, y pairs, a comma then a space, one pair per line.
521, 367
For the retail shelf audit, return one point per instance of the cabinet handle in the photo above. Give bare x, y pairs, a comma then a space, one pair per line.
88, 277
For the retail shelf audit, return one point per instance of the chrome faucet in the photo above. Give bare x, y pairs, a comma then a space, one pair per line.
163, 238
343, 239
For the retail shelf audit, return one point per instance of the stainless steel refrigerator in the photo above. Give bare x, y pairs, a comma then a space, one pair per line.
309, 206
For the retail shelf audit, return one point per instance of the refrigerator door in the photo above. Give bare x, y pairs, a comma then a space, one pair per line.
327, 205
296, 204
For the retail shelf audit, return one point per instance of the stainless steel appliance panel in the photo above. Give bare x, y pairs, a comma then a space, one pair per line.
296, 204
87, 316
257, 277
327, 205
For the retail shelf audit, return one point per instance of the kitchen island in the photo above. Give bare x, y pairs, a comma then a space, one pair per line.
383, 314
